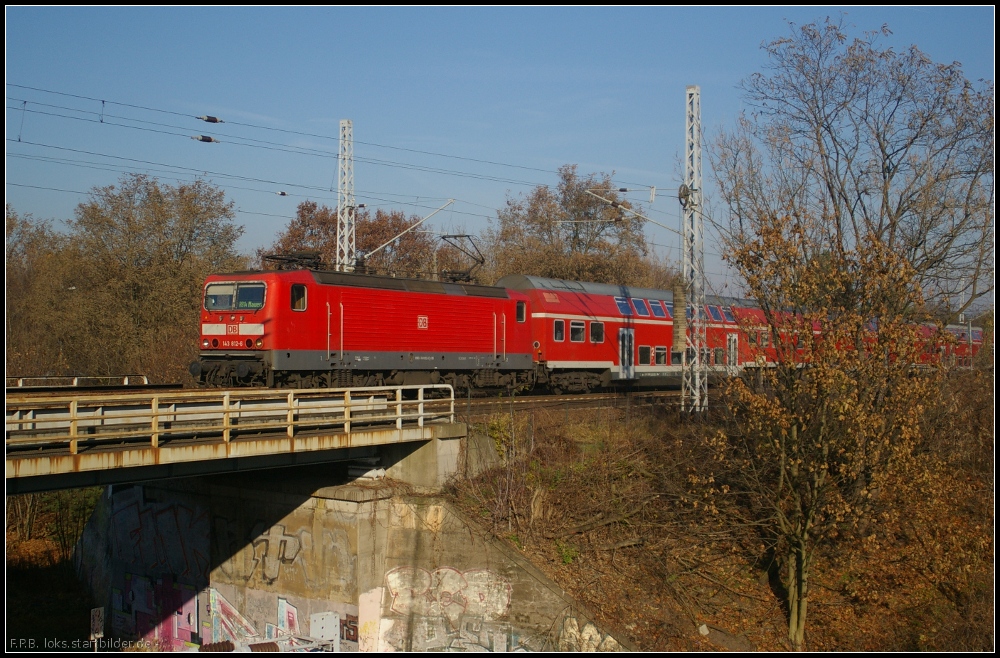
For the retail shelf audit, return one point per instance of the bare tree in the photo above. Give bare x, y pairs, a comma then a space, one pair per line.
881, 146
859, 193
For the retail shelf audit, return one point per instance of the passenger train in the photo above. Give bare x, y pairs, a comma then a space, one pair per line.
308, 328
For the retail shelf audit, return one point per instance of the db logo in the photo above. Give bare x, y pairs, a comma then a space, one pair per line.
232, 329
421, 322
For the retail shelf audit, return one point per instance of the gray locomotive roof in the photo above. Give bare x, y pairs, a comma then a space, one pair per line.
409, 285
527, 282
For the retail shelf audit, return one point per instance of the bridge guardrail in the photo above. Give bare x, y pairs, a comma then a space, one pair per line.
93, 420
70, 381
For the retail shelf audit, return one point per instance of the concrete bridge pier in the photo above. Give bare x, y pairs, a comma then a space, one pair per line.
305, 554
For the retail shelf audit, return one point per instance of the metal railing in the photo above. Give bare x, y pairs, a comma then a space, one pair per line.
67, 381
156, 418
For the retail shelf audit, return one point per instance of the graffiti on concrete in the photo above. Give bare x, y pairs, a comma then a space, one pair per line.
588, 638
449, 593
329, 565
272, 547
162, 611
436, 634
349, 628
160, 538
447, 609
228, 623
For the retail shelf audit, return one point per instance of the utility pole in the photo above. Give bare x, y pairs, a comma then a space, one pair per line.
694, 393
345, 199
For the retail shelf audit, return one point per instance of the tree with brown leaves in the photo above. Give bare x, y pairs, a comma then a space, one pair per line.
565, 233
859, 193
314, 228
119, 292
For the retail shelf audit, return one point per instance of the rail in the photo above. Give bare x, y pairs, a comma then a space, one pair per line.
90, 421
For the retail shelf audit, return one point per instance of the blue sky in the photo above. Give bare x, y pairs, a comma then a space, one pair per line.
531, 88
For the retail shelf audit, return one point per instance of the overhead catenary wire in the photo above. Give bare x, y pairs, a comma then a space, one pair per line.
176, 169
299, 132
120, 120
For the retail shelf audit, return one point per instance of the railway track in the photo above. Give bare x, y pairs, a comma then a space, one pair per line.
472, 407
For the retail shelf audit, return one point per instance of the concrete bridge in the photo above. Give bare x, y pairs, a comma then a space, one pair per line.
63, 441
203, 555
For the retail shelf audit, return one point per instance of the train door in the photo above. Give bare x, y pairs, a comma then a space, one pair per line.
732, 351
626, 352
500, 336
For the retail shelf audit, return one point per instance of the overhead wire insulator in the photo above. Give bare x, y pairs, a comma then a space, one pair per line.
211, 119
204, 138
282, 193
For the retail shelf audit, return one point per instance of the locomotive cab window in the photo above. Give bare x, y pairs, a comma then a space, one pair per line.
559, 330
234, 296
522, 312
298, 297
577, 330
596, 332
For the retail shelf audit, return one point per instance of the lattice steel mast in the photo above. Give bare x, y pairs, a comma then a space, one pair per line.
345, 199
695, 368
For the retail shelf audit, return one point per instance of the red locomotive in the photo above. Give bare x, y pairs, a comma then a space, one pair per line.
308, 328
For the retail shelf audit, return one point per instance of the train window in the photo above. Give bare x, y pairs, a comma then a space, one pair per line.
657, 310
644, 355
752, 337
596, 332
765, 338
234, 296
640, 307
720, 354
250, 297
714, 312
661, 356
298, 297
669, 308
676, 356
690, 312
577, 331
623, 306
219, 296
522, 313
727, 312
559, 331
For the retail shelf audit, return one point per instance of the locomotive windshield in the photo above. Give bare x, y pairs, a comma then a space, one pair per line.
234, 296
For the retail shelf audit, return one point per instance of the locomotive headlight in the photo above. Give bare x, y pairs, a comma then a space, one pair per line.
259, 343
204, 343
